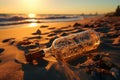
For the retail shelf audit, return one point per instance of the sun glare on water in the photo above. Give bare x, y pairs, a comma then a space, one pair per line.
31, 15
32, 20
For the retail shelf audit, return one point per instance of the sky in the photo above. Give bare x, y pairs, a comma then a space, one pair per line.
58, 6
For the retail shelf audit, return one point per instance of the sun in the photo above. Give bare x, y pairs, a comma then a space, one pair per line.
31, 15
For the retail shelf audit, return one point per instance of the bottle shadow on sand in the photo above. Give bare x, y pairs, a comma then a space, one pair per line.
32, 72
57, 71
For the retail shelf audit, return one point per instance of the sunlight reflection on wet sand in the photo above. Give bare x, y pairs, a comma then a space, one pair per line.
33, 24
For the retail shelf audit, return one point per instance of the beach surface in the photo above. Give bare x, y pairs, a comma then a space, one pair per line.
49, 68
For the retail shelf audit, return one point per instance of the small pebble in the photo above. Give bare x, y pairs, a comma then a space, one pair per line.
1, 50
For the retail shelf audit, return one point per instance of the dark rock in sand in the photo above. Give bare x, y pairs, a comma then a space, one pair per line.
43, 26
35, 37
52, 34
89, 26
45, 33
66, 27
117, 27
0, 61
103, 29
117, 24
92, 26
107, 46
1, 50
76, 25
51, 28
12, 42
64, 34
97, 57
107, 41
80, 30
112, 35
69, 30
58, 31
76, 31
99, 25
7, 40
86, 25
38, 32
116, 41
27, 45
106, 63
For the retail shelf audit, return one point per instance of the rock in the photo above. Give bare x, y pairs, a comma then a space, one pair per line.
38, 32
117, 24
25, 42
80, 30
43, 26
106, 63
88, 63
76, 24
108, 41
97, 57
89, 26
1, 50
106, 59
117, 28
58, 31
103, 29
34, 37
117, 41
115, 72
86, 25
64, 34
27, 45
52, 34
113, 34
0, 60
7, 40
35, 62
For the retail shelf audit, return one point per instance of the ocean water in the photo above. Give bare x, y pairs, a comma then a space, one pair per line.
15, 20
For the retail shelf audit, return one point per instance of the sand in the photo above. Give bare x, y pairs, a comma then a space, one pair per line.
49, 68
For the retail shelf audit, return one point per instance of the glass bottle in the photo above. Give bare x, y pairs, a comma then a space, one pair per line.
74, 45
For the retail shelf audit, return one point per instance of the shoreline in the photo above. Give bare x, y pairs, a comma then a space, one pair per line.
25, 23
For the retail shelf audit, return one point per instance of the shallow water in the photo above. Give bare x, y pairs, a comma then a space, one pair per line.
8, 20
